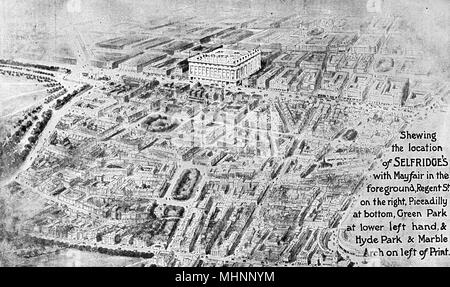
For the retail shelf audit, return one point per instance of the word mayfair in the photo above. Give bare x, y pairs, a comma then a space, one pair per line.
229, 276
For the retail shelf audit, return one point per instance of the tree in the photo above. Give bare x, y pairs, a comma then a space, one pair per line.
24, 154
32, 139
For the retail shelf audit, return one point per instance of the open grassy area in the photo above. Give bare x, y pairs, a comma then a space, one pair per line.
18, 93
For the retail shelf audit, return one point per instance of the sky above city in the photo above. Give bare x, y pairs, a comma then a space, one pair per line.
429, 18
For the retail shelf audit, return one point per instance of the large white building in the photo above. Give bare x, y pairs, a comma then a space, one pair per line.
388, 91
224, 67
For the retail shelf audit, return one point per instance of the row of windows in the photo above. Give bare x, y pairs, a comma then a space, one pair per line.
214, 72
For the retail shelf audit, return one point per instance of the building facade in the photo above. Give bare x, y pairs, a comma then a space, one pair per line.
224, 67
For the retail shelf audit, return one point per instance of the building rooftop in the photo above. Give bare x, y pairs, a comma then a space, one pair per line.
224, 56
143, 59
